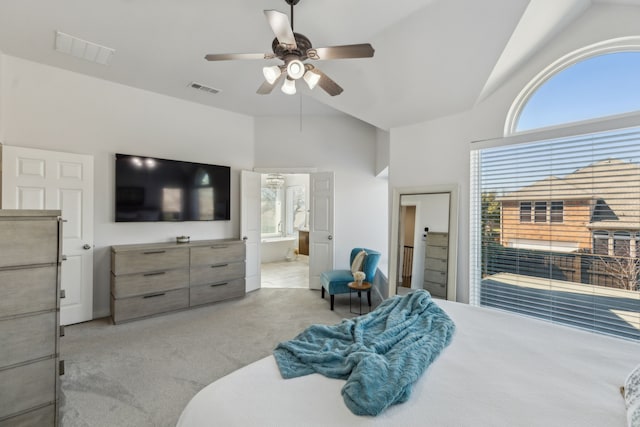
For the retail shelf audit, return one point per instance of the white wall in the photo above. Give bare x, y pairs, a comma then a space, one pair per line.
347, 147
53, 109
2, 103
437, 151
382, 151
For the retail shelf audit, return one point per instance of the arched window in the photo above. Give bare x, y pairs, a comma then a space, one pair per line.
595, 82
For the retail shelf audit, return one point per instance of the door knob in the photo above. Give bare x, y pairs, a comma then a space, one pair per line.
86, 246
330, 237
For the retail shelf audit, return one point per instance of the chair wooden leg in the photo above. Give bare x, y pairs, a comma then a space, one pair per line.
322, 287
332, 297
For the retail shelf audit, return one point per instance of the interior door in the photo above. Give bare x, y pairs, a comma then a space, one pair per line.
250, 225
41, 179
321, 226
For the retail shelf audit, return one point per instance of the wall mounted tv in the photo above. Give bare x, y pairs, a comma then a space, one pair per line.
152, 189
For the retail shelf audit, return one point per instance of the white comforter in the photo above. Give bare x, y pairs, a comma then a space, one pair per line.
499, 370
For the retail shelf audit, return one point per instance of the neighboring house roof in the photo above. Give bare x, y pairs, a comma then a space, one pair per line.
550, 188
614, 184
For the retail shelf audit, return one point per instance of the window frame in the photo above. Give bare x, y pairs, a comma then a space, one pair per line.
529, 215
553, 215
540, 215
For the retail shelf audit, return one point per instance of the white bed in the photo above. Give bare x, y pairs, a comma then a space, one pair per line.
499, 370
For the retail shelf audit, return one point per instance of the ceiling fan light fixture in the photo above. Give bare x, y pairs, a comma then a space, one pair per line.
272, 73
289, 86
311, 78
295, 69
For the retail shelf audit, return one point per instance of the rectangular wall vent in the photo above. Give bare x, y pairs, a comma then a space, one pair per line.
83, 49
203, 88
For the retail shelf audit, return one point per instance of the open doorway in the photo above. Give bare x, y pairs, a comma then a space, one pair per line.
284, 247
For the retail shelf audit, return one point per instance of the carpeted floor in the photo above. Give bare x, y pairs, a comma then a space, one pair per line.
143, 373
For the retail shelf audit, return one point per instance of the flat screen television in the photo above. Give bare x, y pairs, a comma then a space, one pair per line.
152, 189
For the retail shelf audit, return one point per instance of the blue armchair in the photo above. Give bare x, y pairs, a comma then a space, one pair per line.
336, 281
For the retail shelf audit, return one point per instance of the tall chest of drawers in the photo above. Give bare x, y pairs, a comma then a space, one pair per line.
436, 264
149, 279
29, 317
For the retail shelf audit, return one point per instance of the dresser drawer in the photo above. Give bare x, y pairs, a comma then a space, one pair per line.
438, 239
147, 305
27, 386
217, 253
205, 294
435, 264
149, 260
439, 252
435, 276
27, 290
28, 242
436, 289
39, 418
27, 338
216, 273
145, 283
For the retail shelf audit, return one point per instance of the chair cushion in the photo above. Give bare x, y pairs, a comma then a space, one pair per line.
336, 281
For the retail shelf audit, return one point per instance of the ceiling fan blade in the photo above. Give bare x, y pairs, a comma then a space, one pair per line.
281, 27
228, 56
266, 88
364, 50
329, 86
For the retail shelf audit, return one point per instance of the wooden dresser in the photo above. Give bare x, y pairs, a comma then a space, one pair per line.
436, 264
149, 279
29, 317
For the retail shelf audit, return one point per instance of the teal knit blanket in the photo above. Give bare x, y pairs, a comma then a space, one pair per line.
381, 354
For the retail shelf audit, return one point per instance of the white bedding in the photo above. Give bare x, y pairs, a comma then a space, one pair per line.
499, 370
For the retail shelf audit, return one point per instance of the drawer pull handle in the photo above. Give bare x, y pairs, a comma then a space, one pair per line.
159, 273
219, 247
219, 284
61, 367
154, 252
154, 295
219, 265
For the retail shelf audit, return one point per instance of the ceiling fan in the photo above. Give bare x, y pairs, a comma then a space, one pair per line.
294, 48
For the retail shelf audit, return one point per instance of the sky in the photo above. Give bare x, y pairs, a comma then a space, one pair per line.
600, 86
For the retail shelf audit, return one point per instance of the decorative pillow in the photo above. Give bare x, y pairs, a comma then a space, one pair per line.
632, 397
358, 261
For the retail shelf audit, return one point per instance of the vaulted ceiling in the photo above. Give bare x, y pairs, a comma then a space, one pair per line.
432, 57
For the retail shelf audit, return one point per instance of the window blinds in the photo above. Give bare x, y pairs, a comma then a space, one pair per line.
555, 230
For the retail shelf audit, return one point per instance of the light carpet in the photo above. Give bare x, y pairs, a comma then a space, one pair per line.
143, 373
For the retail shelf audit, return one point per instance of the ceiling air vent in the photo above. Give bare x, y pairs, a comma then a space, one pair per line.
203, 88
83, 49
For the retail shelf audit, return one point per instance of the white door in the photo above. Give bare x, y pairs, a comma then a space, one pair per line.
250, 225
320, 226
40, 179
